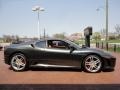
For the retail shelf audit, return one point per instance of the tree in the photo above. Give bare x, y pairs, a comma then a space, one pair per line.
59, 35
7, 38
112, 37
117, 28
11, 38
103, 32
96, 36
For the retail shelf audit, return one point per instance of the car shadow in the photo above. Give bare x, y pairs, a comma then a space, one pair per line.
51, 69
60, 69
54, 69
109, 70
10, 68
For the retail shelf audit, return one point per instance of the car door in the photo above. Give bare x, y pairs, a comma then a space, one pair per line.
36, 52
59, 54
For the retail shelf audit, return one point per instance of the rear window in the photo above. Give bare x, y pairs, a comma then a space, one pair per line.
41, 44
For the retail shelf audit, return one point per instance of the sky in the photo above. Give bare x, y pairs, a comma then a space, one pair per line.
69, 16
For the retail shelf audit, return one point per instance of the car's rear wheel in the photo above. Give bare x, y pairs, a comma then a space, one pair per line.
92, 64
19, 62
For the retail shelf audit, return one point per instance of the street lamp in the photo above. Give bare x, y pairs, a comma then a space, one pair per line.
38, 9
106, 20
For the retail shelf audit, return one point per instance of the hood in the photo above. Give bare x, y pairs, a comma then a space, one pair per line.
97, 50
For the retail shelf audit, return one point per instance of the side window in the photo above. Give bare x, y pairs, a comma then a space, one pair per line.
41, 44
58, 44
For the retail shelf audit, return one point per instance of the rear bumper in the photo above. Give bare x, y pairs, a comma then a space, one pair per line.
6, 60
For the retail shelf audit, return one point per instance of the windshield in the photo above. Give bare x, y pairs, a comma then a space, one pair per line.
73, 44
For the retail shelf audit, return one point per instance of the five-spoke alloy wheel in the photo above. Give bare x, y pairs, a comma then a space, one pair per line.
92, 64
18, 62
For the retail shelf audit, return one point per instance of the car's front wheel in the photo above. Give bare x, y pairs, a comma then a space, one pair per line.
19, 62
92, 64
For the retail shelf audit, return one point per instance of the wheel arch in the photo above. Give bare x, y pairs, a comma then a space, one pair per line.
10, 56
92, 54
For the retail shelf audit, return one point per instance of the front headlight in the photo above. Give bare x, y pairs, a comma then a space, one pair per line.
108, 55
107, 52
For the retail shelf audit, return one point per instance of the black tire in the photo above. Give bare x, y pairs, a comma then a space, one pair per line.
19, 62
92, 64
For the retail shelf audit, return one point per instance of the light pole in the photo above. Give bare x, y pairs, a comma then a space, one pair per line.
107, 21
38, 9
44, 33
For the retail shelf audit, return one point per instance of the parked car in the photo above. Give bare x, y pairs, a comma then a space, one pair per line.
17, 42
57, 53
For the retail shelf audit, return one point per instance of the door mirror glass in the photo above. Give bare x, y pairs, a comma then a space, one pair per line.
83, 46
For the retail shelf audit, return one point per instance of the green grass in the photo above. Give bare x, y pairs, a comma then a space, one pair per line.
94, 41
110, 41
118, 49
114, 41
111, 47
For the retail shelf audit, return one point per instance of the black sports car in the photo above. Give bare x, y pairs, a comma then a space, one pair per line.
58, 54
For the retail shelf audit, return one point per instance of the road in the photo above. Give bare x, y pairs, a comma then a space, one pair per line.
48, 76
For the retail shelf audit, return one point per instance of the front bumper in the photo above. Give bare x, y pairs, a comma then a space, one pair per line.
109, 63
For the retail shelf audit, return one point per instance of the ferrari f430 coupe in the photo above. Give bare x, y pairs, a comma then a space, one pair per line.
57, 53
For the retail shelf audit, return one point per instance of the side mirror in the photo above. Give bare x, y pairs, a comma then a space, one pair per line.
83, 46
33, 45
71, 49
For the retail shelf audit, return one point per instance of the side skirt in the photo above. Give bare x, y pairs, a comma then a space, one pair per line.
54, 66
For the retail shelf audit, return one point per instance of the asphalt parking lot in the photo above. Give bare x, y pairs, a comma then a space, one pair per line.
51, 76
